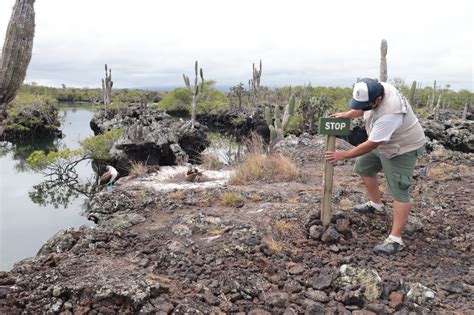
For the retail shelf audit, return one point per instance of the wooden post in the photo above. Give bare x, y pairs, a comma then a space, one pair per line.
326, 211
331, 127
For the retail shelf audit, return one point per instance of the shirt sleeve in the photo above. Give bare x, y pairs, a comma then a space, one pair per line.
385, 126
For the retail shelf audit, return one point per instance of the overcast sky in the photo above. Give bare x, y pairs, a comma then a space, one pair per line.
152, 43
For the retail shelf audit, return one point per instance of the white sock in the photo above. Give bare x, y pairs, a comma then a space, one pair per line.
377, 206
396, 239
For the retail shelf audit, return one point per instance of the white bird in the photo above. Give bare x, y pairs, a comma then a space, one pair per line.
108, 177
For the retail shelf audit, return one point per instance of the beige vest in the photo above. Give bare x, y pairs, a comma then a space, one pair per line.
409, 136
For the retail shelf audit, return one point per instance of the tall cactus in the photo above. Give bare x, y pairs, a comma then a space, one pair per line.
383, 61
413, 93
254, 83
16, 52
464, 112
195, 90
107, 84
433, 97
277, 124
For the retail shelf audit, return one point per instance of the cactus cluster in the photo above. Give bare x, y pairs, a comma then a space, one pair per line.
16, 52
239, 91
383, 61
277, 123
107, 84
195, 90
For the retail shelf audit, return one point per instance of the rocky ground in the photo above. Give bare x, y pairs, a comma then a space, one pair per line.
195, 250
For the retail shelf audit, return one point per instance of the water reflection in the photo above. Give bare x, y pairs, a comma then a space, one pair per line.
21, 151
62, 184
34, 206
61, 188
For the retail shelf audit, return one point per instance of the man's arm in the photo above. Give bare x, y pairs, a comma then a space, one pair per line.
359, 150
353, 113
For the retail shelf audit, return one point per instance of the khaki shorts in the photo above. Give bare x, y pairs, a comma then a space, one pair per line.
398, 171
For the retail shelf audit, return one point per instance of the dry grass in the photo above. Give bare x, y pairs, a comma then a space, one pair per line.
274, 246
255, 144
319, 173
293, 201
284, 227
215, 231
442, 170
140, 196
231, 198
346, 203
272, 168
176, 195
137, 168
210, 162
160, 278
255, 197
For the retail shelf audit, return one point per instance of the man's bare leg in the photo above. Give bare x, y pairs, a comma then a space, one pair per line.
372, 185
400, 217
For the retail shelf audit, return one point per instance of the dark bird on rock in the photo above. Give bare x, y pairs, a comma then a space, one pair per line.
193, 174
109, 177
93, 217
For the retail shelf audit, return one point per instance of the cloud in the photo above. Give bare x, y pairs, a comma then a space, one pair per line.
152, 43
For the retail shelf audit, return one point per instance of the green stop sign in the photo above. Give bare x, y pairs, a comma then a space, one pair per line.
334, 126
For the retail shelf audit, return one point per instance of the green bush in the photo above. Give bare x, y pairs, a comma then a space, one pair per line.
28, 111
213, 107
180, 100
423, 112
295, 124
177, 100
98, 147
211, 100
40, 160
23, 98
116, 105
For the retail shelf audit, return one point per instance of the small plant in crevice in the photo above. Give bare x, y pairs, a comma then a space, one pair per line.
176, 195
137, 168
274, 246
231, 199
284, 227
215, 231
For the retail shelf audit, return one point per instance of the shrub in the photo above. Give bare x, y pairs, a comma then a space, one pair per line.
98, 147
39, 159
28, 112
255, 144
32, 99
177, 100
177, 195
231, 198
212, 107
274, 246
284, 227
216, 231
423, 112
115, 105
137, 168
295, 124
274, 167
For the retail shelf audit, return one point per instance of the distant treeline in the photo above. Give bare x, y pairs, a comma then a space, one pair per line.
418, 97
87, 95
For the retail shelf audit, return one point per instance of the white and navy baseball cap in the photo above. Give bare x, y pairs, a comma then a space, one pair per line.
365, 91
